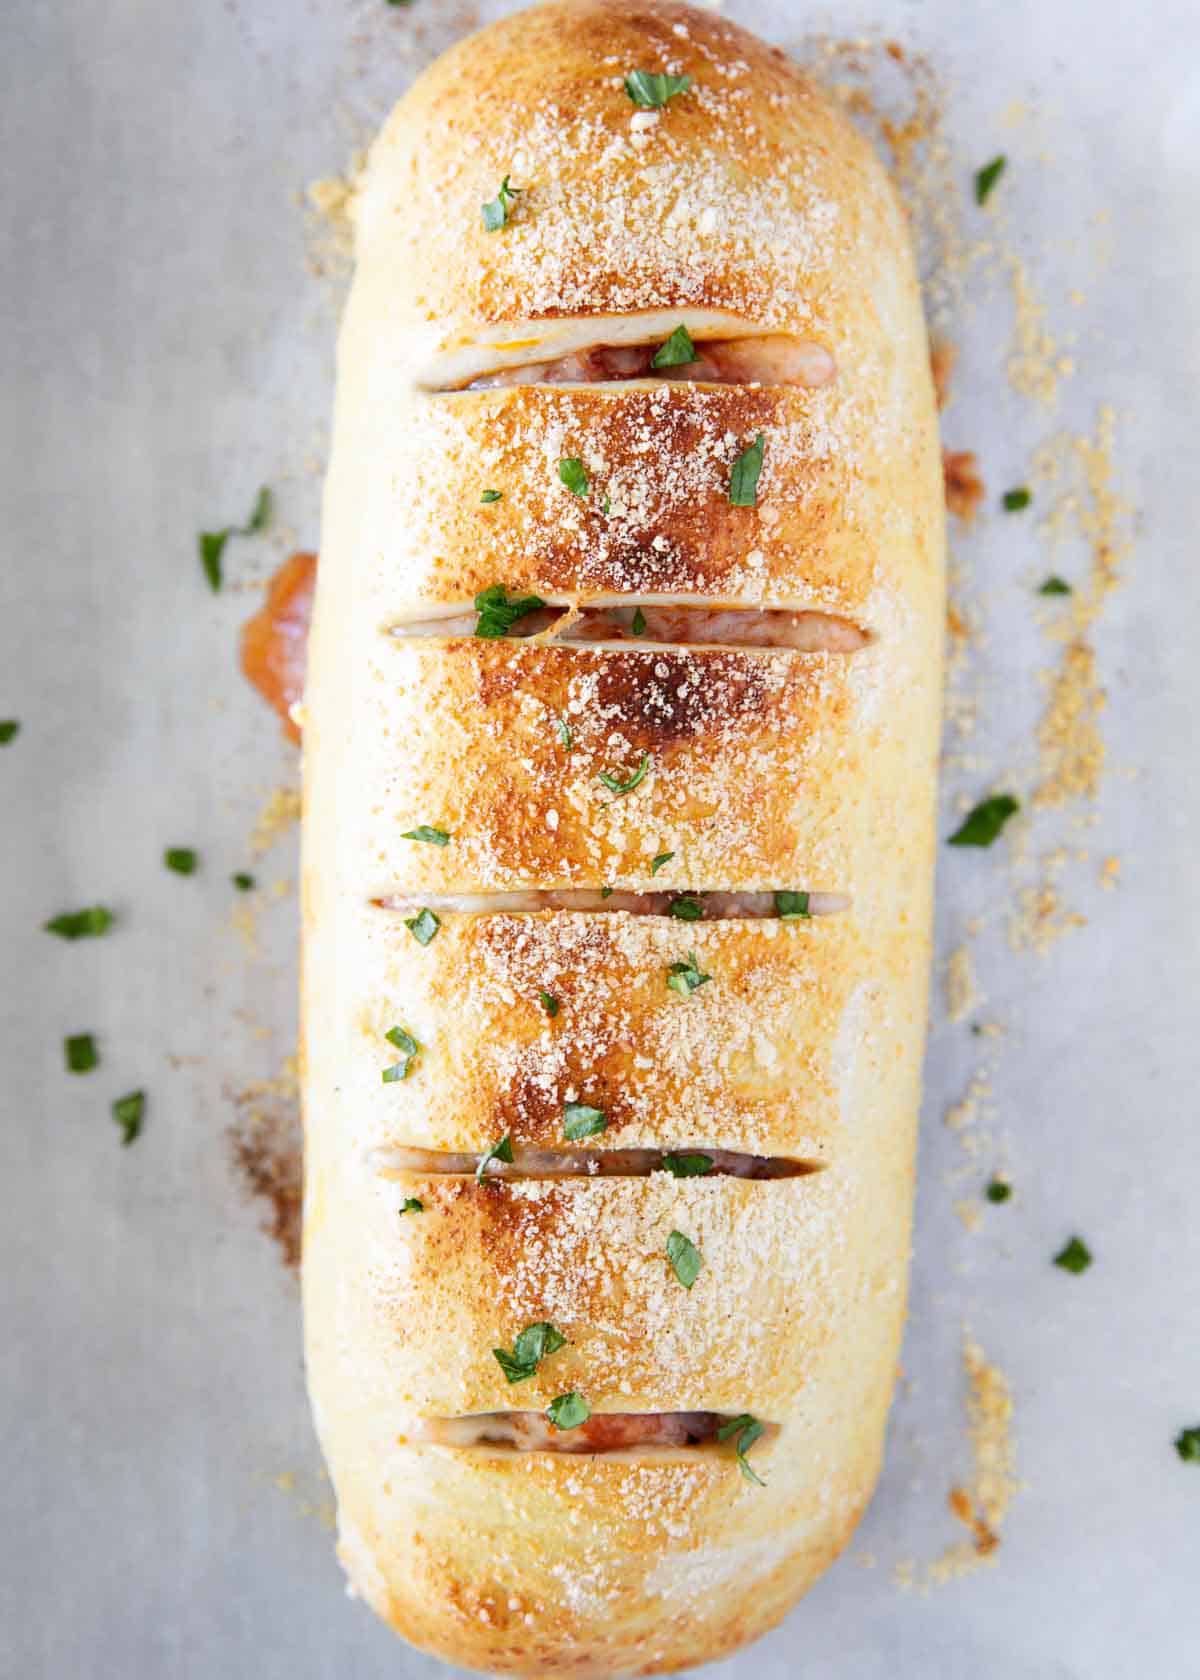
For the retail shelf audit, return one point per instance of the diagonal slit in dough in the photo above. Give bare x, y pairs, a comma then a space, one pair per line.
683, 1161
603, 1432
694, 906
601, 349
654, 623
769, 359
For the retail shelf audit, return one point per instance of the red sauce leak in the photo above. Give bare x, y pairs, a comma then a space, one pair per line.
275, 640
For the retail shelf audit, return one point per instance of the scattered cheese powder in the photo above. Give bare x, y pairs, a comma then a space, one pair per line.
962, 995
982, 1503
329, 205
1036, 365
1072, 750
280, 813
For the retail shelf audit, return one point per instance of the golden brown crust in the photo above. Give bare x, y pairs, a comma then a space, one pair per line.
480, 1262
751, 198
748, 1062
748, 194
753, 764
594, 1568
621, 1563
820, 535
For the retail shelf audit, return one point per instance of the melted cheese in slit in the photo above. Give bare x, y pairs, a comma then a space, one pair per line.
586, 1163
769, 359
603, 1432
769, 627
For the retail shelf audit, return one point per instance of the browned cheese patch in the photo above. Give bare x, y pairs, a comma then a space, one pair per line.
653, 700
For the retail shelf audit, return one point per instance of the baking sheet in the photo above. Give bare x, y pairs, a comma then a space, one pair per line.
169, 350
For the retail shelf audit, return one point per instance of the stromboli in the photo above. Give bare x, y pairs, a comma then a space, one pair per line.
747, 209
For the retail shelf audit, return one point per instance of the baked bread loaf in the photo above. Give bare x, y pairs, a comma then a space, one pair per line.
620, 737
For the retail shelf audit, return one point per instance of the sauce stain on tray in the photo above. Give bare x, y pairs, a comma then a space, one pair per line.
274, 647
267, 1145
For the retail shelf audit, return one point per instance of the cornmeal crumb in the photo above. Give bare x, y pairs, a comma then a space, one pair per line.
1072, 750
1040, 919
1036, 364
280, 813
983, 1501
329, 204
970, 1214
245, 924
962, 995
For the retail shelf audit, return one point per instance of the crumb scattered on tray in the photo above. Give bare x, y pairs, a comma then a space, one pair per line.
965, 488
320, 1505
970, 1214
896, 98
1071, 747
329, 221
1078, 471
1041, 919
280, 813
982, 1502
1036, 364
963, 1117
993, 1483
962, 994
243, 918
